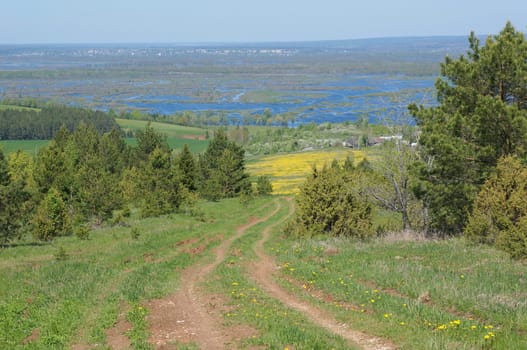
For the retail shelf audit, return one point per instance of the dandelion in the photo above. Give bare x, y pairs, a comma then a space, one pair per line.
235, 283
489, 326
372, 301
488, 336
402, 323
473, 327
442, 327
455, 323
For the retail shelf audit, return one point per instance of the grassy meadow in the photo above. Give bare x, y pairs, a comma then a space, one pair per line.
418, 294
177, 136
29, 146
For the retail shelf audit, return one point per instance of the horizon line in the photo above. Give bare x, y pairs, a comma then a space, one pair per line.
209, 43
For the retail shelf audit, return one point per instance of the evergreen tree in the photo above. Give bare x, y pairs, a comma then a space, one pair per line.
222, 169
161, 188
481, 116
148, 140
328, 204
51, 219
13, 200
500, 210
188, 169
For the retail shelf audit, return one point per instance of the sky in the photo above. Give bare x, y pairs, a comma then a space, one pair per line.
204, 21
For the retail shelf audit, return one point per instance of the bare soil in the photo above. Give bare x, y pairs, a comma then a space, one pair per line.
191, 315
194, 316
263, 273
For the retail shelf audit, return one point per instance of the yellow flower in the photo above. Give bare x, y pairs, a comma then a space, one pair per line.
442, 327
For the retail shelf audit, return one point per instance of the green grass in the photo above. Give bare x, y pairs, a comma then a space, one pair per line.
275, 326
177, 135
77, 299
19, 108
29, 146
444, 294
422, 295
171, 130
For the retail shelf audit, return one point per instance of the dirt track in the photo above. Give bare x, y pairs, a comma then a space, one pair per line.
192, 315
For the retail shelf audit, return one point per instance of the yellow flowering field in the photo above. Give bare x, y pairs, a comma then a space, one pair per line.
288, 171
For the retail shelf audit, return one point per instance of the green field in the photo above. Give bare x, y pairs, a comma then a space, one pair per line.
28, 146
414, 293
177, 137
19, 108
171, 130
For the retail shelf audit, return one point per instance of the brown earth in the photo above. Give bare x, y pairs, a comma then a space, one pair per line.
116, 336
192, 315
188, 315
263, 273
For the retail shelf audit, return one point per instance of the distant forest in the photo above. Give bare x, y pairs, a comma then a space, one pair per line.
18, 123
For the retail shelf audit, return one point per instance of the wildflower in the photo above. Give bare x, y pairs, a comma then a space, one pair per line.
402, 323
489, 326
442, 327
372, 301
234, 283
455, 323
473, 327
489, 335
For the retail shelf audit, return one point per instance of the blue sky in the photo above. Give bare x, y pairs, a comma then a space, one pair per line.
180, 21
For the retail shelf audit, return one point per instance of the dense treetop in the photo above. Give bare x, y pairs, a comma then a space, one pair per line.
481, 116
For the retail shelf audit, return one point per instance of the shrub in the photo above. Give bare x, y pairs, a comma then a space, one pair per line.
329, 204
264, 187
51, 219
499, 216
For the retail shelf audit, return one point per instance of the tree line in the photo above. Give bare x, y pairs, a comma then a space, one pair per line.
87, 178
43, 123
468, 174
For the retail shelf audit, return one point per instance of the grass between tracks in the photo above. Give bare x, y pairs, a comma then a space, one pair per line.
418, 294
47, 303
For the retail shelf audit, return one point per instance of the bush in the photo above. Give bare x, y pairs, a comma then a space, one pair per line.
329, 204
264, 187
499, 216
52, 218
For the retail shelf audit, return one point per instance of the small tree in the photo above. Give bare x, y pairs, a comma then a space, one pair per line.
222, 169
500, 210
14, 200
188, 169
51, 219
264, 187
328, 204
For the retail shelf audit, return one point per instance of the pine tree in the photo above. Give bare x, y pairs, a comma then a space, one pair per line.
188, 169
222, 169
51, 219
481, 116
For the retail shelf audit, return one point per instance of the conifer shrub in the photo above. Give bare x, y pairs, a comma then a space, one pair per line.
499, 216
51, 219
328, 203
